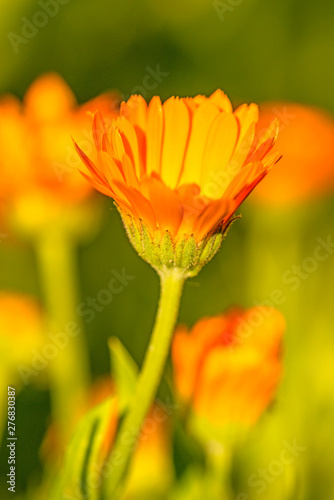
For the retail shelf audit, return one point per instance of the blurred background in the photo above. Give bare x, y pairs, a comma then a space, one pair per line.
256, 52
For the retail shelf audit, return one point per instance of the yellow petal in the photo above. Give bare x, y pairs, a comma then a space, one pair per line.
221, 100
135, 110
247, 116
176, 133
202, 122
241, 152
219, 148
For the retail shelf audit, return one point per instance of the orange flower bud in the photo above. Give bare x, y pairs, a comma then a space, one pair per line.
228, 367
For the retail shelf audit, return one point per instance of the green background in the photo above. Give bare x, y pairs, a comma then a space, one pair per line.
258, 51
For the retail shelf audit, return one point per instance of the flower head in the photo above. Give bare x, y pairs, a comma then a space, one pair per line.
306, 141
228, 367
182, 167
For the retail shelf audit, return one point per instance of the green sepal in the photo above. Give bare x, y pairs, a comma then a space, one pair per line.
163, 251
167, 250
189, 253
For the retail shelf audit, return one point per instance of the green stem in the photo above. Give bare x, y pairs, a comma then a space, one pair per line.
150, 376
68, 369
218, 471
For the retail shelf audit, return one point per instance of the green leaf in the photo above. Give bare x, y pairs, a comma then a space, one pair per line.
81, 476
124, 372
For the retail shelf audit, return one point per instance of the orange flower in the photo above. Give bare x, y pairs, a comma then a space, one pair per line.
228, 366
183, 167
35, 141
306, 141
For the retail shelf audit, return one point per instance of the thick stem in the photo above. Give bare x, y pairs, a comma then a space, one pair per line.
68, 369
149, 379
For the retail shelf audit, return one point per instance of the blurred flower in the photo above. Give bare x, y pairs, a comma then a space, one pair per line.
151, 469
53, 447
37, 161
183, 167
228, 367
21, 329
306, 141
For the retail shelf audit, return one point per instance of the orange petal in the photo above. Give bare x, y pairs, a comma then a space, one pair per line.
262, 150
176, 133
100, 187
140, 205
166, 205
89, 164
155, 124
99, 130
130, 143
129, 172
244, 178
271, 132
109, 168
211, 217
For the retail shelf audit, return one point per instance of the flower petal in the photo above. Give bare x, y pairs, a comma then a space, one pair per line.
201, 124
176, 133
166, 205
155, 126
219, 148
221, 100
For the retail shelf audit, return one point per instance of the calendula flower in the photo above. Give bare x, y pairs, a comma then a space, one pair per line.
37, 165
306, 141
227, 367
178, 171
